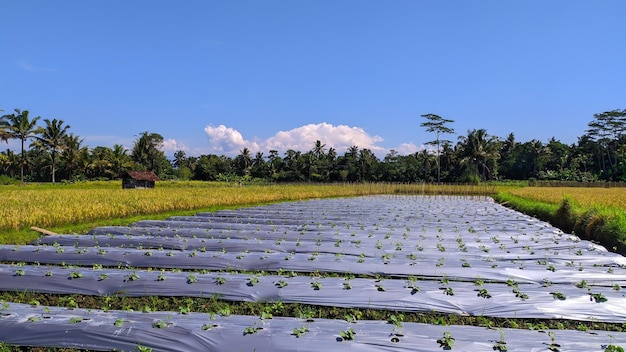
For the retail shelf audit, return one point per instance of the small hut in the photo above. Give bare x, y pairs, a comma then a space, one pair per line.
139, 179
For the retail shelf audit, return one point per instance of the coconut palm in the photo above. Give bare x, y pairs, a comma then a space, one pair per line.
70, 155
479, 152
243, 161
318, 149
52, 139
147, 153
120, 160
19, 126
4, 134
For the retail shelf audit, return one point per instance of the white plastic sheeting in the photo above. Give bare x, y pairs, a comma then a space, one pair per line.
169, 331
455, 297
444, 244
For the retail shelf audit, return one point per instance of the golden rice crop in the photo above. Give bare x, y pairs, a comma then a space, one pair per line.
584, 197
51, 206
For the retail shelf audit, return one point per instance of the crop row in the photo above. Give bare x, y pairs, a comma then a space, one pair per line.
189, 331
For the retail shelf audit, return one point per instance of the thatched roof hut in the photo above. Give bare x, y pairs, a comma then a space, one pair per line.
139, 179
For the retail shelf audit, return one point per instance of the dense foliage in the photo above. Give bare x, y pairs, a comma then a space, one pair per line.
56, 154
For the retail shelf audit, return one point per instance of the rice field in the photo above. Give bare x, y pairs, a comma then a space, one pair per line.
48, 206
598, 197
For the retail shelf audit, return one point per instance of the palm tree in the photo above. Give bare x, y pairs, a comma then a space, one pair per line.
70, 155
101, 162
318, 149
52, 139
180, 157
4, 134
147, 153
367, 159
19, 126
481, 151
244, 161
120, 160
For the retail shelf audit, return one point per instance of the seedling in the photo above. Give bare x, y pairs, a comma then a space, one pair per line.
253, 280
316, 285
582, 284
446, 342
553, 346
75, 320
159, 324
75, 275
396, 320
613, 348
483, 293
519, 294
298, 332
192, 279
447, 290
598, 297
119, 322
209, 326
558, 295
281, 283
500, 345
347, 334
132, 276
414, 288
252, 329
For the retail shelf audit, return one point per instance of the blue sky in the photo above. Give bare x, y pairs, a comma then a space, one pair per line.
218, 76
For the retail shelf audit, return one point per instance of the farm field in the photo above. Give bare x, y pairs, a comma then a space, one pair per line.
594, 213
614, 197
392, 272
82, 206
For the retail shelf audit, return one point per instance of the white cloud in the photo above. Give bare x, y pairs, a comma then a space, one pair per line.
228, 141
170, 146
225, 140
409, 148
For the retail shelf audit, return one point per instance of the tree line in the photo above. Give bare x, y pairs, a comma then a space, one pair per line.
50, 152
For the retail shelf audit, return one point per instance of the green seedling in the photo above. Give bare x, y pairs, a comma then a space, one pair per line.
446, 342
347, 335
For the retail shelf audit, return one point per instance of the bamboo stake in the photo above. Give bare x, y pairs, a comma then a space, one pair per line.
43, 231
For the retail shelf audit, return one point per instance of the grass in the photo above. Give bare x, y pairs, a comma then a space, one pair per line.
596, 214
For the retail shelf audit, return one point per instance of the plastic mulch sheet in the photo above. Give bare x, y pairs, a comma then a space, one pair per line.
169, 331
459, 255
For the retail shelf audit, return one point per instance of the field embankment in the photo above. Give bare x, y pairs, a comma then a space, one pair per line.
596, 214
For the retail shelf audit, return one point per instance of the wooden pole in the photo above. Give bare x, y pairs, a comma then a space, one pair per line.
43, 231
